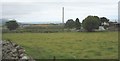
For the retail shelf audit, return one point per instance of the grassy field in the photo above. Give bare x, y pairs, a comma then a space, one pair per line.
68, 45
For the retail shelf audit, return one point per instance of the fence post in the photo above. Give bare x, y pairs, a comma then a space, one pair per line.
54, 58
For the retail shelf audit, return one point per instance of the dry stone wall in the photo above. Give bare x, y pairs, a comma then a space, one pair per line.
12, 50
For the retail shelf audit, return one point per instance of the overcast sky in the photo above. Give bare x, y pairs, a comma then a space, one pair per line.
50, 11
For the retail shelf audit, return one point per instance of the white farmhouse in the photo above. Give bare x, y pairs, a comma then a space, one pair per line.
101, 28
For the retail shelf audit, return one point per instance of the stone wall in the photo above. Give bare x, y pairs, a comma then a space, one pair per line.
12, 50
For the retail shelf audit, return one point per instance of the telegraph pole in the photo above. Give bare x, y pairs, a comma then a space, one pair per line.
63, 15
119, 12
63, 18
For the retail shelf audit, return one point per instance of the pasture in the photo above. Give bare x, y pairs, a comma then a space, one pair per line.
68, 45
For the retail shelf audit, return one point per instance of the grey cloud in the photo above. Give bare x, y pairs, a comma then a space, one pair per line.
48, 11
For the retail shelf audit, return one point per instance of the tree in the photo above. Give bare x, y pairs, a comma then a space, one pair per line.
70, 24
90, 23
77, 24
104, 20
12, 25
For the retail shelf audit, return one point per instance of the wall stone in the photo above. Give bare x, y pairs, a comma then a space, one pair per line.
12, 50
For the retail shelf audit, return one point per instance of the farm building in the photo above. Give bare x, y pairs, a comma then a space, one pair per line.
114, 26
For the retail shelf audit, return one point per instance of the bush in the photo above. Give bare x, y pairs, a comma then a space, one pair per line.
91, 23
12, 25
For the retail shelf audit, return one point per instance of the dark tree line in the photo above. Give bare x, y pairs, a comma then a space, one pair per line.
90, 23
73, 24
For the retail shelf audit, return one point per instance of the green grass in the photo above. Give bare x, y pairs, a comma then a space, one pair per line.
68, 45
